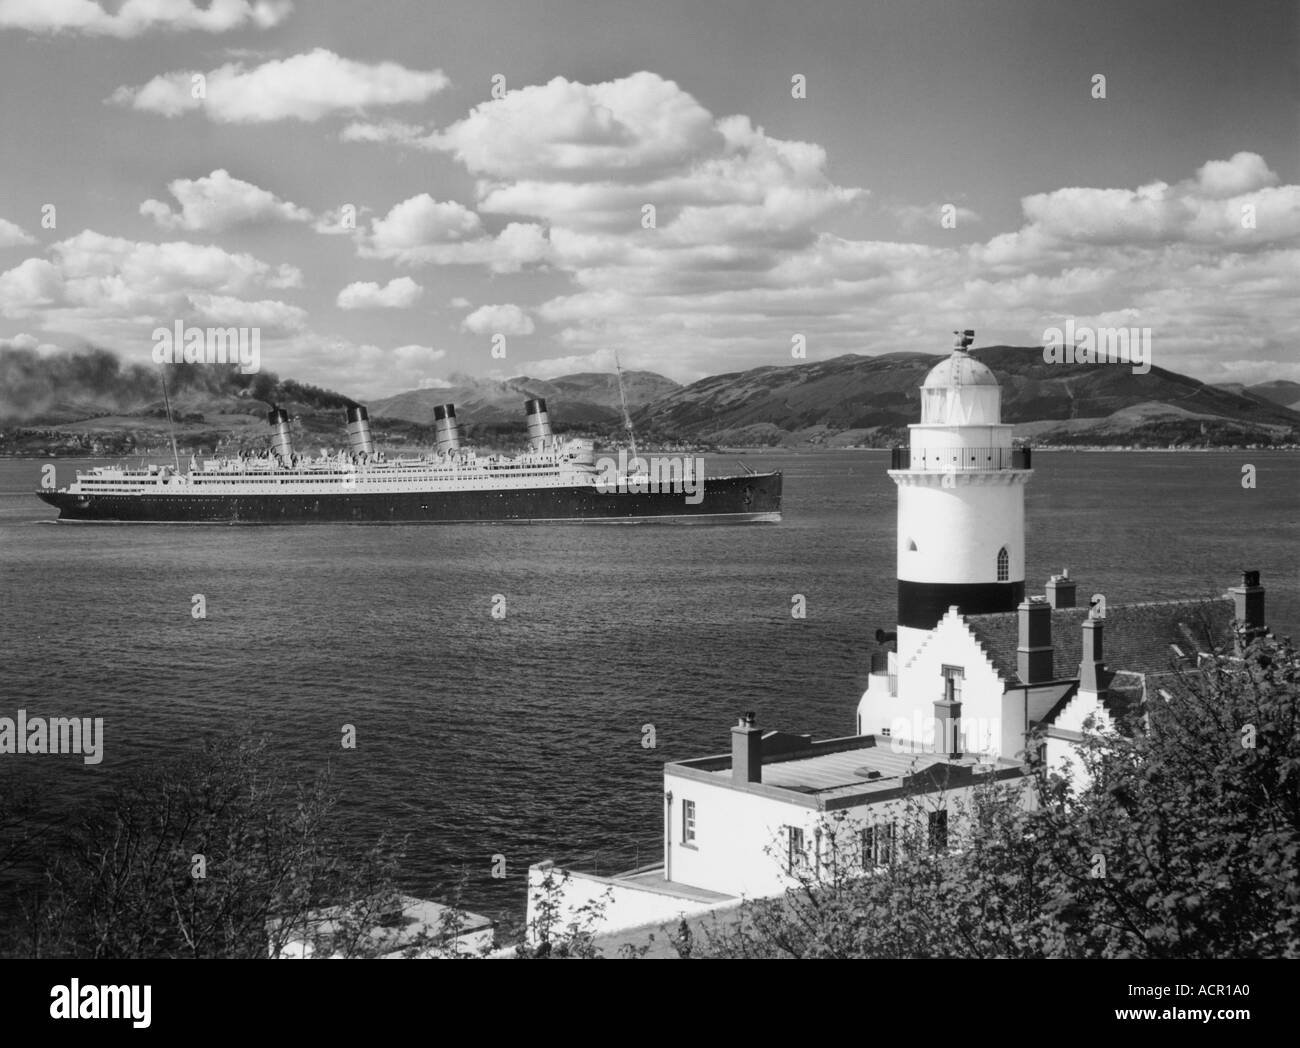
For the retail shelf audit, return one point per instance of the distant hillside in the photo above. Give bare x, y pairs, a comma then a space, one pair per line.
583, 399
861, 399
1279, 391
91, 403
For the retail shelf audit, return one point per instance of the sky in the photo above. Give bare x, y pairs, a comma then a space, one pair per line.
393, 192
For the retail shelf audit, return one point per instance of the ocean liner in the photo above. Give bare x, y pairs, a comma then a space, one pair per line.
554, 481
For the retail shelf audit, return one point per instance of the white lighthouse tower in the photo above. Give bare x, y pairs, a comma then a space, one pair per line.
961, 502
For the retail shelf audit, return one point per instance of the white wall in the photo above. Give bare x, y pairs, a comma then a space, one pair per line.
958, 530
1078, 709
985, 705
732, 829
624, 906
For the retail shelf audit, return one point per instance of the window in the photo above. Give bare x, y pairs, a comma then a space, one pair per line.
878, 845
688, 822
911, 545
1004, 565
795, 857
952, 677
938, 830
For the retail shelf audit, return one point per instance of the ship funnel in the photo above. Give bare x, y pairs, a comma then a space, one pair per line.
446, 433
281, 438
359, 441
539, 423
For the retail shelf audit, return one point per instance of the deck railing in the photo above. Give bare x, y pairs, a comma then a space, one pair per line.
964, 460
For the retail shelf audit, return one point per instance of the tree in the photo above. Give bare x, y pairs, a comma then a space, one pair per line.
1184, 841
210, 856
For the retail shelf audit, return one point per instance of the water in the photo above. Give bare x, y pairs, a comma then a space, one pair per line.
523, 736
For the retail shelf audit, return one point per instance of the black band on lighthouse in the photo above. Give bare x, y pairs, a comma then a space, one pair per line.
922, 604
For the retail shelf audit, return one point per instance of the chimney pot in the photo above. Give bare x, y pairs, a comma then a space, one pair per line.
1061, 590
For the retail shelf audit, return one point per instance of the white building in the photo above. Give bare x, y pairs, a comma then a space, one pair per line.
414, 929
972, 673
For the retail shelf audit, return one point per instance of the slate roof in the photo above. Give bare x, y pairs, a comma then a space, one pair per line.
1136, 636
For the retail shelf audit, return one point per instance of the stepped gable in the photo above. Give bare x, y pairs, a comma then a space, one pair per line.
1137, 635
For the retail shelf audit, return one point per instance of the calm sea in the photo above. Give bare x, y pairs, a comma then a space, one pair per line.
523, 736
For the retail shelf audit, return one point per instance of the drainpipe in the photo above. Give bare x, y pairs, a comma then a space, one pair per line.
668, 835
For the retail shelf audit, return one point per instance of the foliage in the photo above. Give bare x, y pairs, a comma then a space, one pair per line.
212, 856
1183, 841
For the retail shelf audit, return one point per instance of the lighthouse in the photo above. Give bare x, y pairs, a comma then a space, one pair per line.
961, 501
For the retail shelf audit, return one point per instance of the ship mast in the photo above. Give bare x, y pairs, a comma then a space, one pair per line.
176, 457
622, 396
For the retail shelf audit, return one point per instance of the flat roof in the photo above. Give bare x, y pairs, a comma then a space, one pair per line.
837, 769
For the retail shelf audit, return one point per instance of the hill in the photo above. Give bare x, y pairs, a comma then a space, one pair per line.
872, 400
573, 400
91, 403
1279, 391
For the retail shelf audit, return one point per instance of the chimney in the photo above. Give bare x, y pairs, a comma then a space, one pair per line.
1093, 675
1034, 652
446, 434
1060, 590
359, 441
281, 438
539, 423
1248, 601
947, 722
746, 751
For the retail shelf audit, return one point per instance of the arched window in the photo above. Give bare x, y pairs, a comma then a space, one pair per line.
911, 545
1004, 565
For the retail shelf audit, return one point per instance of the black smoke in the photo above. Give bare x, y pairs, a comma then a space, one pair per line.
97, 381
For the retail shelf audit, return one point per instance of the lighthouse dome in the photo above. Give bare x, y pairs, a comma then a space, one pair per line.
960, 369
960, 391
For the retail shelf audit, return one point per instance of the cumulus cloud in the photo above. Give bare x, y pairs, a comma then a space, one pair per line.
601, 360
641, 188
388, 131
414, 357
219, 201
274, 318
135, 17
303, 87
1234, 201
12, 235
1176, 257
623, 128
425, 231
743, 250
401, 293
112, 289
505, 319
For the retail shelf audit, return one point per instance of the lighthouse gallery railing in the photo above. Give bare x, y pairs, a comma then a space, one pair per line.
960, 459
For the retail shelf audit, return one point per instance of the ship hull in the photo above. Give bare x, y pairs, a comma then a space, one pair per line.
727, 500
